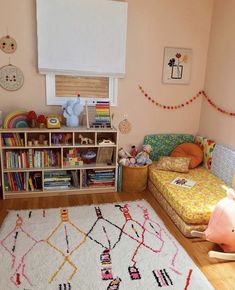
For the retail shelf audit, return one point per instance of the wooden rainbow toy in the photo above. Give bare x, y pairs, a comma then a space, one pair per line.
16, 119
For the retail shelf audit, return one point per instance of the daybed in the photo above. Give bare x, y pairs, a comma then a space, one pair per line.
189, 208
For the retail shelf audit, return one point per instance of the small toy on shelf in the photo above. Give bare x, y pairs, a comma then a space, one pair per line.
99, 116
85, 140
56, 138
106, 142
53, 122
32, 118
42, 139
72, 158
41, 121
72, 111
67, 138
88, 156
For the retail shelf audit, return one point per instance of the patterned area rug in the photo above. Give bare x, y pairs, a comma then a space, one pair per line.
121, 246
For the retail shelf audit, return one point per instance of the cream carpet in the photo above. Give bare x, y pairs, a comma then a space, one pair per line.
121, 246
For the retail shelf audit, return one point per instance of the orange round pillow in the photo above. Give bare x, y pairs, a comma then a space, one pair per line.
189, 150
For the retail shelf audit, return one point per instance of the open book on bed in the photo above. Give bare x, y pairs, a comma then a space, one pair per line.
183, 182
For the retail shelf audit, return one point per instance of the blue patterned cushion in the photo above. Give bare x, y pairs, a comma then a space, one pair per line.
223, 163
163, 144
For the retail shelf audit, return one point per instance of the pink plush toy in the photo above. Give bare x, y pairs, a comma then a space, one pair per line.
221, 227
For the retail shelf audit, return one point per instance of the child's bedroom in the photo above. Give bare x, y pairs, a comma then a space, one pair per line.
117, 144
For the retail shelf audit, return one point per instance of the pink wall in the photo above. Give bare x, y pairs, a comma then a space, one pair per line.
152, 25
220, 75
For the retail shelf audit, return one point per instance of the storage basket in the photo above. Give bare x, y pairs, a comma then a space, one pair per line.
134, 179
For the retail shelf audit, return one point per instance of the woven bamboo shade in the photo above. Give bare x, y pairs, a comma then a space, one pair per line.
84, 86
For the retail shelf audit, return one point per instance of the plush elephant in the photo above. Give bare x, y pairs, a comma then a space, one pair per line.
72, 111
221, 227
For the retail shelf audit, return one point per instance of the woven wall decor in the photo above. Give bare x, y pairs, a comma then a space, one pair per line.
11, 77
124, 126
8, 44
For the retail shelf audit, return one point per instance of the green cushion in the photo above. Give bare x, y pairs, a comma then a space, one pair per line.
163, 144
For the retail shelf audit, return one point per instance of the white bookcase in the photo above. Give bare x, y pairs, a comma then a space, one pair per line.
47, 162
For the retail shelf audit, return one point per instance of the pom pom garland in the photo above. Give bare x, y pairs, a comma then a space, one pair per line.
186, 103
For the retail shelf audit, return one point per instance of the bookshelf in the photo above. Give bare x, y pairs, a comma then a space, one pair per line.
48, 162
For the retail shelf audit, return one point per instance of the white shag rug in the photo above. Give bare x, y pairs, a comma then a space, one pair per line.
121, 246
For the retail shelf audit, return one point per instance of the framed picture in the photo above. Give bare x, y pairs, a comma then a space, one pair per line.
177, 65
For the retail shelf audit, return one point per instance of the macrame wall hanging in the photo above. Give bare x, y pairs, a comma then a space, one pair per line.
124, 126
186, 103
11, 77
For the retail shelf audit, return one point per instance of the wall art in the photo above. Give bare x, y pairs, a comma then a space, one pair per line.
11, 77
177, 65
8, 44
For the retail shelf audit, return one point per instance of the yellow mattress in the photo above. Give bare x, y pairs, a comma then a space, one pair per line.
194, 205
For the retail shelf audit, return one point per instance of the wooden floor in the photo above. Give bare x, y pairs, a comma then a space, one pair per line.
220, 273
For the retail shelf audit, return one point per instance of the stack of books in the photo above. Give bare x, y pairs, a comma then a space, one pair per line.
102, 115
100, 177
57, 180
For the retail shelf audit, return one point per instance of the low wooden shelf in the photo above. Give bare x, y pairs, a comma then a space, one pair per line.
22, 162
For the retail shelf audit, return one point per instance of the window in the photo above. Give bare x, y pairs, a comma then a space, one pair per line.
60, 88
81, 38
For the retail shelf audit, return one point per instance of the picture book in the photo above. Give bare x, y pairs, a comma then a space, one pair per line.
184, 182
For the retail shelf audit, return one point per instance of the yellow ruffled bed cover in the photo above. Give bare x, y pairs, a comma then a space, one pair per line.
194, 205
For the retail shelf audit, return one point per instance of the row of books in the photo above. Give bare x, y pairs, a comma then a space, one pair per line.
58, 180
22, 181
100, 177
12, 139
32, 158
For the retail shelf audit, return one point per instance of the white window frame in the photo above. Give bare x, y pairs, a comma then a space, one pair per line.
52, 99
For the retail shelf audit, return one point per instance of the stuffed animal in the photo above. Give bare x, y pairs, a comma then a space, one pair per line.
133, 151
221, 227
72, 110
125, 158
56, 138
142, 158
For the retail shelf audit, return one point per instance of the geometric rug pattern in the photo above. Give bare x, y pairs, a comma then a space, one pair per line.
121, 246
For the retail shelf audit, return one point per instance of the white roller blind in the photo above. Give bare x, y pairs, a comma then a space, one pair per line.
82, 37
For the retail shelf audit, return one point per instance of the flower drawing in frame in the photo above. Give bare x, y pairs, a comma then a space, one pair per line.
177, 65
